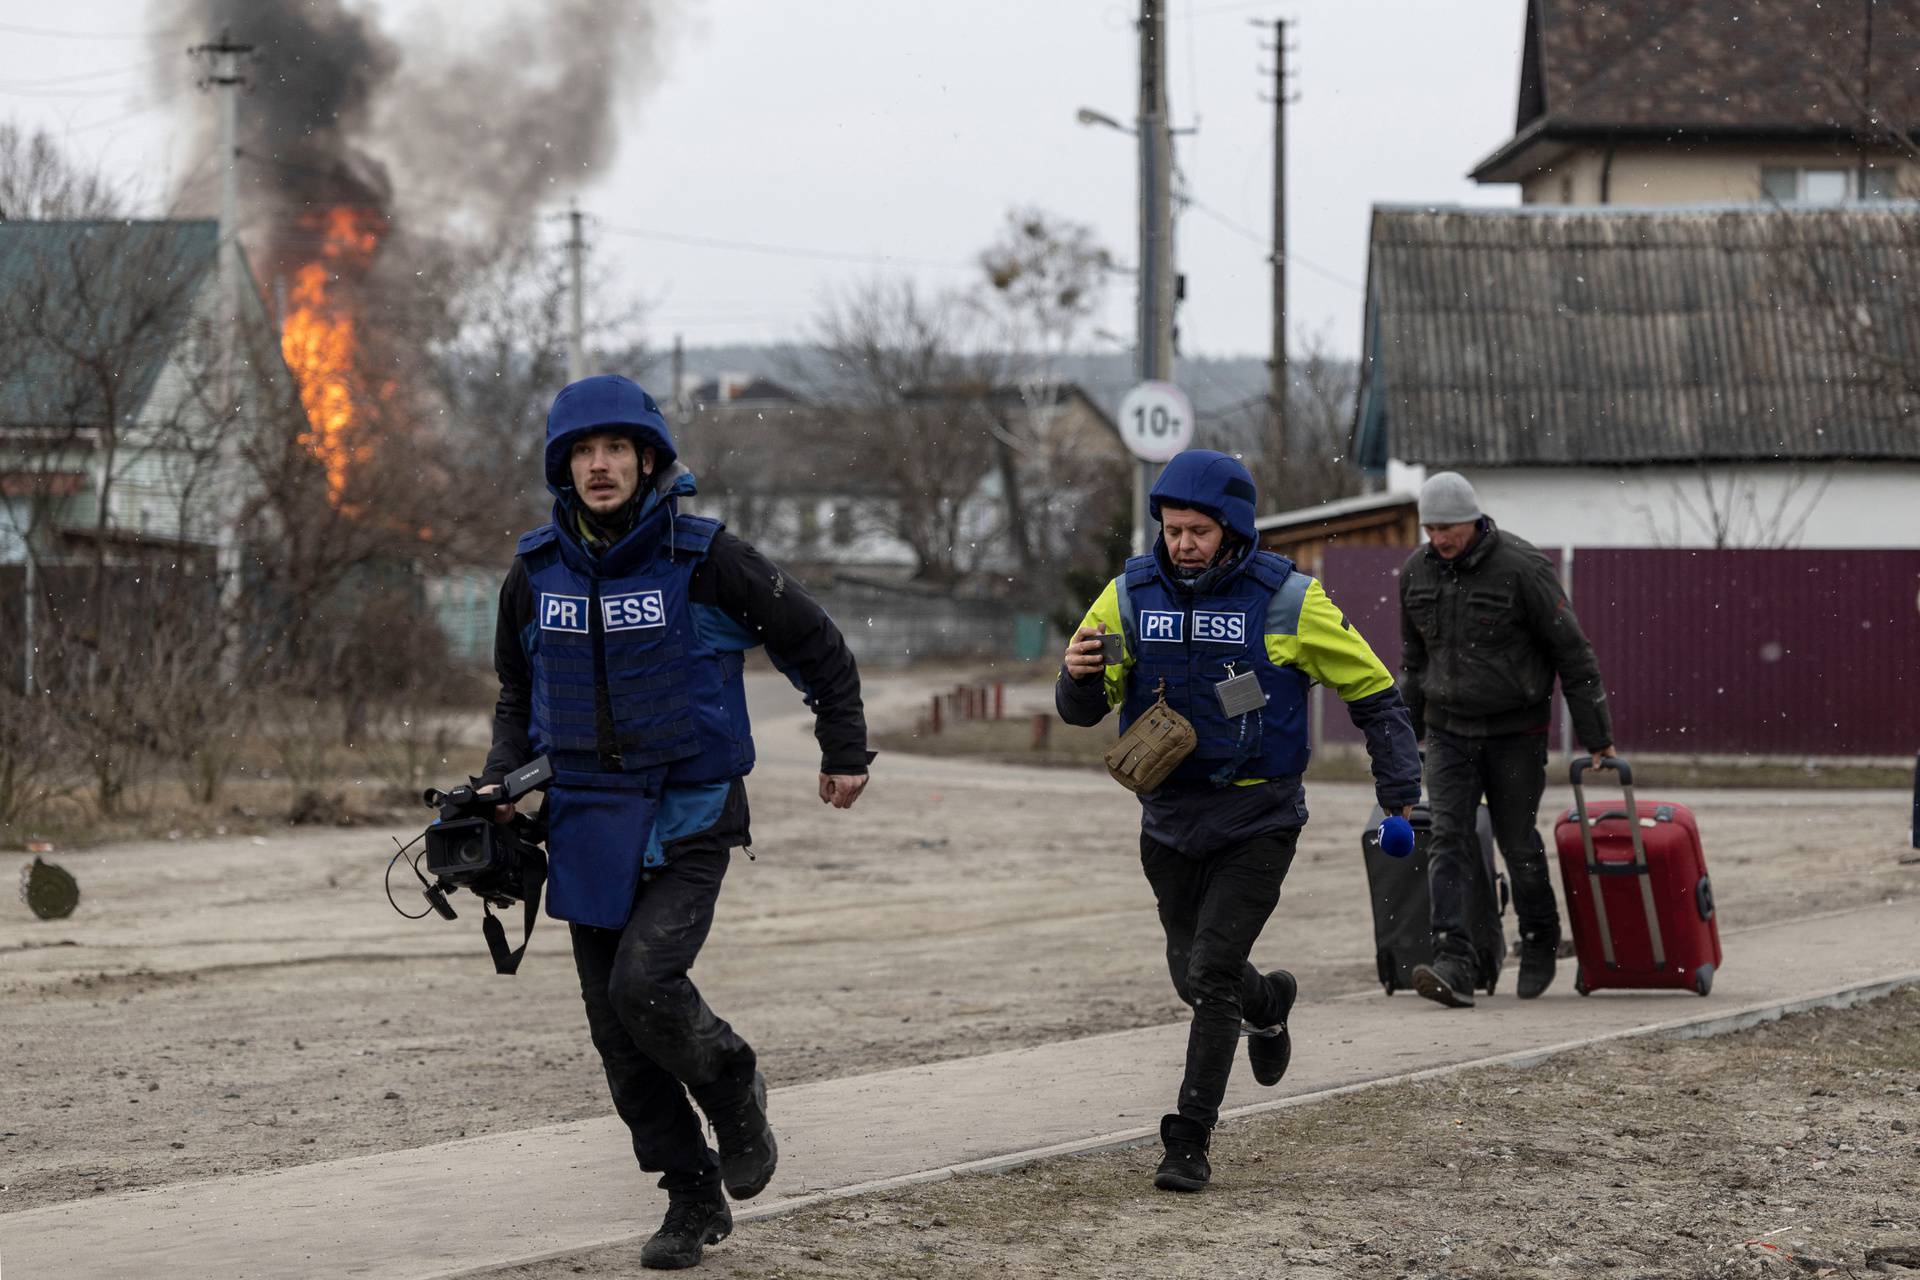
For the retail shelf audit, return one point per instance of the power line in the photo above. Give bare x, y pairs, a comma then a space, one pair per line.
1235, 6
45, 81
135, 114
788, 251
62, 93
91, 35
1257, 238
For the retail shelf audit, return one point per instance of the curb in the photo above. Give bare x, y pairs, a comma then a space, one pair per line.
1693, 1028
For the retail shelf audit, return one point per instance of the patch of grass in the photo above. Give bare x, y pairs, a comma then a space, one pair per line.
285, 774
1011, 741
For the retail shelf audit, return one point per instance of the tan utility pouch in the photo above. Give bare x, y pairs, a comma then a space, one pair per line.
1152, 747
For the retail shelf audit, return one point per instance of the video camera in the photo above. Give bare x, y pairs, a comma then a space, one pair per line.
467, 849
500, 863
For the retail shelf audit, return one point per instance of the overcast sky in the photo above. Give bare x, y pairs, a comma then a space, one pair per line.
863, 137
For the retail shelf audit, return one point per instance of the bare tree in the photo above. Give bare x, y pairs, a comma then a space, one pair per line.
501, 358
112, 424
1045, 277
1729, 507
37, 181
1320, 411
909, 378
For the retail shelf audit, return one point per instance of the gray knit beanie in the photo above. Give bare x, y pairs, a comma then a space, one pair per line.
1447, 498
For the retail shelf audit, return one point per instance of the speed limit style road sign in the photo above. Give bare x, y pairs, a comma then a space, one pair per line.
1156, 421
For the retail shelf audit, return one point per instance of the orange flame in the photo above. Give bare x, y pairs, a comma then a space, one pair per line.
317, 339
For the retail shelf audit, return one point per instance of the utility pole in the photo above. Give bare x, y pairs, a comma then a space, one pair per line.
222, 61
1277, 373
27, 634
1156, 235
679, 376
576, 339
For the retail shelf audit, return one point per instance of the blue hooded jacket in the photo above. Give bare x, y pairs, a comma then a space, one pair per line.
1211, 483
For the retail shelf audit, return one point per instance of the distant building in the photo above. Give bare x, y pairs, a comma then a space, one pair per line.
1737, 377
1660, 102
1369, 520
736, 389
818, 487
112, 434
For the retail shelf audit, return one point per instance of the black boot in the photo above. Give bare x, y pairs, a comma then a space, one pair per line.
1270, 1049
1184, 1167
748, 1153
1537, 954
692, 1223
1448, 980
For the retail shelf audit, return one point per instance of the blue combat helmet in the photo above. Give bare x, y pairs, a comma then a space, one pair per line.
605, 402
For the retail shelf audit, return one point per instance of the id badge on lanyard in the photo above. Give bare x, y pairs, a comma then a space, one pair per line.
1240, 692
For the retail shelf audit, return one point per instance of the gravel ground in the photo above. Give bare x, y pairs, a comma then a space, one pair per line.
249, 1003
1791, 1149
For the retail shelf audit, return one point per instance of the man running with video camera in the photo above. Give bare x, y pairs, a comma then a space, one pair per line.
619, 649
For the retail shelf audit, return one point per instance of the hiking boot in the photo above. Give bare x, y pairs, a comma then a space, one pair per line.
1537, 956
748, 1153
692, 1223
1269, 1049
1184, 1167
1448, 980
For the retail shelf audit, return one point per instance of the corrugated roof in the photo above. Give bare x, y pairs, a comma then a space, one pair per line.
85, 306
1333, 510
1730, 62
1552, 335
1629, 67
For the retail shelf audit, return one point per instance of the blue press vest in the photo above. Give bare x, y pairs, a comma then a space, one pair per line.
679, 705
1188, 640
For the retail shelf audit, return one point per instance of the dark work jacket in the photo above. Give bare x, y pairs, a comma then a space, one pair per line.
1483, 637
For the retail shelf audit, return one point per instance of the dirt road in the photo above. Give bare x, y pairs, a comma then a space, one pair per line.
242, 1004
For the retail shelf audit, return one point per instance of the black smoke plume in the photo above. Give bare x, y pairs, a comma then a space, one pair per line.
458, 125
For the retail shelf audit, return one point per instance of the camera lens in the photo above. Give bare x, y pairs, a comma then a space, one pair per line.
471, 851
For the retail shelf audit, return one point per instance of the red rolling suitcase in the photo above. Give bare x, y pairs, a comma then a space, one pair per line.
1637, 892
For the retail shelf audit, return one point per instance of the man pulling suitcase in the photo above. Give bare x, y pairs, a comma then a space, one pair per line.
1485, 629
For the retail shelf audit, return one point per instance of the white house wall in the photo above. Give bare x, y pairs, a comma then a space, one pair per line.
16, 514
1830, 505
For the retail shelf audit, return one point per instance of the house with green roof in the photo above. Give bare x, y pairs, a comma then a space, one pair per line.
122, 410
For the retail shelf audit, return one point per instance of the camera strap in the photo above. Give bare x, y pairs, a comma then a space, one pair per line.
533, 879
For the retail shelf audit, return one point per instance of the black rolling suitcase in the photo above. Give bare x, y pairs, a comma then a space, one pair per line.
1402, 906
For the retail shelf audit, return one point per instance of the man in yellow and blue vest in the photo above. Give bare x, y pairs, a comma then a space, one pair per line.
620, 643
1217, 837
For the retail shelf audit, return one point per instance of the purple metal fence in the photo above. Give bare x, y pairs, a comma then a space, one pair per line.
1716, 652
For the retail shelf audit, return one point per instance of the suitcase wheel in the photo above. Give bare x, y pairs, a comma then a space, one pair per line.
1580, 982
1703, 979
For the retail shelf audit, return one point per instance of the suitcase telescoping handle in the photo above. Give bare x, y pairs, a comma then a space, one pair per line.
1640, 869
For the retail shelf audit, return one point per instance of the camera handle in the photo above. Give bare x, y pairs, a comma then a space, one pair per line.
533, 879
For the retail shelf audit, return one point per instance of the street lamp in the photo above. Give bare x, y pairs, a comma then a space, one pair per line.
1087, 115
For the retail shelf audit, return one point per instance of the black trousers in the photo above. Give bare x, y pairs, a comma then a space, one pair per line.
1212, 910
657, 1038
1511, 771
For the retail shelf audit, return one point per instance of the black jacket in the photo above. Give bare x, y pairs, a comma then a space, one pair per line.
1483, 637
799, 636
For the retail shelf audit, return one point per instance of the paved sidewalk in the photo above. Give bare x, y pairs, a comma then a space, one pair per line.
449, 1209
